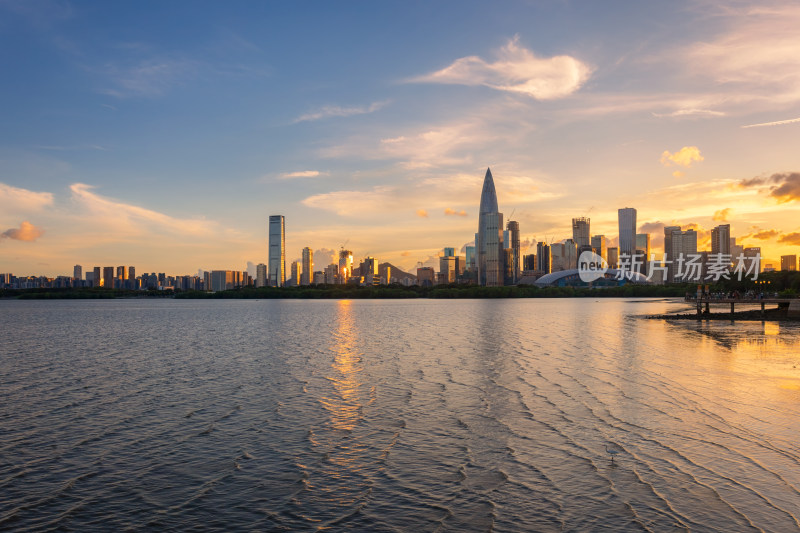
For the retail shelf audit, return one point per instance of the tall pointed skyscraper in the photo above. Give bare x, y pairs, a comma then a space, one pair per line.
489, 239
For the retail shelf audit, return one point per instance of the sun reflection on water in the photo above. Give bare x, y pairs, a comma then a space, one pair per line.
345, 408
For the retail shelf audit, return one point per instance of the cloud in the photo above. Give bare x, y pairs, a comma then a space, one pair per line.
784, 186
722, 215
679, 174
790, 238
26, 232
765, 234
14, 199
652, 227
777, 123
691, 112
339, 111
148, 77
757, 59
302, 174
324, 257
125, 219
516, 70
438, 192
448, 212
405, 254
683, 157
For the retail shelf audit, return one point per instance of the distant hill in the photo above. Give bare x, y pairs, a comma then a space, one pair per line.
396, 273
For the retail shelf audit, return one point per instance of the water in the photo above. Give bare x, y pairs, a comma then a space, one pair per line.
480, 415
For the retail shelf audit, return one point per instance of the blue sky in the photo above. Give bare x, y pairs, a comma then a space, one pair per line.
162, 135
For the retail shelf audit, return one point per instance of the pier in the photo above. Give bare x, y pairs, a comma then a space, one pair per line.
793, 304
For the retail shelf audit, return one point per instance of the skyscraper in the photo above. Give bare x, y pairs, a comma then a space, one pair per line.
489, 239
668, 231
599, 246
643, 252
77, 272
306, 278
277, 251
543, 259
345, 265
627, 230
721, 239
470, 253
261, 275
108, 277
580, 234
513, 243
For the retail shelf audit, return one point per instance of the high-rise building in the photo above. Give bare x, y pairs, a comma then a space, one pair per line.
331, 274
296, 270
613, 257
627, 230
599, 246
261, 275
108, 277
345, 265
222, 280
306, 278
721, 239
489, 239
449, 252
97, 278
369, 269
513, 242
752, 260
426, 276
788, 262
563, 255
132, 275
736, 250
470, 256
77, 272
277, 251
684, 245
122, 276
543, 257
643, 252
447, 268
668, 232
529, 262
580, 232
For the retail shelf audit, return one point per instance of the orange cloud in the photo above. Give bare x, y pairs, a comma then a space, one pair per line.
765, 234
27, 232
449, 211
722, 215
405, 254
683, 157
679, 174
790, 238
422, 213
784, 186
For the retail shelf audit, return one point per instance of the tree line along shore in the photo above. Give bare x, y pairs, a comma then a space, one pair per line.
784, 284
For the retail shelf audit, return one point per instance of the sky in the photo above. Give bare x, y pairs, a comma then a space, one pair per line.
164, 134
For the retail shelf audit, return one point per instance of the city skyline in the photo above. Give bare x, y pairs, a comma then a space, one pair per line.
126, 143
